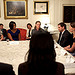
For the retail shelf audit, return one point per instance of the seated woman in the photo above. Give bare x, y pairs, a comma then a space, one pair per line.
41, 57
13, 32
68, 48
29, 27
37, 28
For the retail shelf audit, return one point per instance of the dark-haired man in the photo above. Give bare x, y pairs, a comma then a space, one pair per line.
65, 38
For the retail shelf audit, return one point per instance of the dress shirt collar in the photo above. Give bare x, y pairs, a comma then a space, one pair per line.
63, 31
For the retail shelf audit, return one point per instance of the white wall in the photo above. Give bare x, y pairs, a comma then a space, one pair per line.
58, 10
22, 22
55, 13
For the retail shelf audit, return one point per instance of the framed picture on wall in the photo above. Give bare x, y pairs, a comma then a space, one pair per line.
41, 7
15, 9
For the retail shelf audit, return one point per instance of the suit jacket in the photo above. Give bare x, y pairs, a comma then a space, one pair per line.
23, 69
67, 39
6, 69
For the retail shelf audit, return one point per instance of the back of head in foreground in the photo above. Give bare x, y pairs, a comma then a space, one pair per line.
41, 57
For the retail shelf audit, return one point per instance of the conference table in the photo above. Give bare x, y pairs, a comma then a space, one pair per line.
13, 52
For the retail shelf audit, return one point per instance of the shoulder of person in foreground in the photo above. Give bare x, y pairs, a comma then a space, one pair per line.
6, 69
60, 69
23, 68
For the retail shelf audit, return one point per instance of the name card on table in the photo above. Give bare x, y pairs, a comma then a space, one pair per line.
14, 42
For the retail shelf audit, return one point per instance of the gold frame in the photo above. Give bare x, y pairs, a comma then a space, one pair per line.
20, 14
38, 5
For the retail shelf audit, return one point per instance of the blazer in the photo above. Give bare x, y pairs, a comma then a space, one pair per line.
23, 69
67, 39
6, 69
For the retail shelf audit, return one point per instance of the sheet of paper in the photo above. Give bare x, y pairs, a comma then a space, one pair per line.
69, 65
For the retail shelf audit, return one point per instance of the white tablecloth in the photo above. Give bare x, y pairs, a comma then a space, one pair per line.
13, 52
66, 58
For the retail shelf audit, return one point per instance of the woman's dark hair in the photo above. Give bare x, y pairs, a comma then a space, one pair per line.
42, 53
72, 24
29, 24
37, 22
1, 24
62, 25
11, 24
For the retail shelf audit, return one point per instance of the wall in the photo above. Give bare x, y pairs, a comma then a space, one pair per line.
22, 22
55, 13
54, 17
58, 10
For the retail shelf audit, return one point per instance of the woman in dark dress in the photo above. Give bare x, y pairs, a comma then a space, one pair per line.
68, 48
41, 57
13, 32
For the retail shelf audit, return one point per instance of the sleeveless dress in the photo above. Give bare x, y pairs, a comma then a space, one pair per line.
14, 35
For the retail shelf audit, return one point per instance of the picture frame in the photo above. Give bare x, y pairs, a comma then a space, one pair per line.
41, 7
15, 9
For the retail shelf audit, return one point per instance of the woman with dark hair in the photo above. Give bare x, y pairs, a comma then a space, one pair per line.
37, 28
13, 32
41, 57
29, 30
68, 48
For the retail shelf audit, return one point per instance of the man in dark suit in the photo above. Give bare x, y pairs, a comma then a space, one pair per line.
4, 32
65, 38
6, 69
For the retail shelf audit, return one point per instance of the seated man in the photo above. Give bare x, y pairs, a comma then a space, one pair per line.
65, 38
6, 69
4, 32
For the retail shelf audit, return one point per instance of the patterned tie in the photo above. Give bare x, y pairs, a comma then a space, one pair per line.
60, 36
